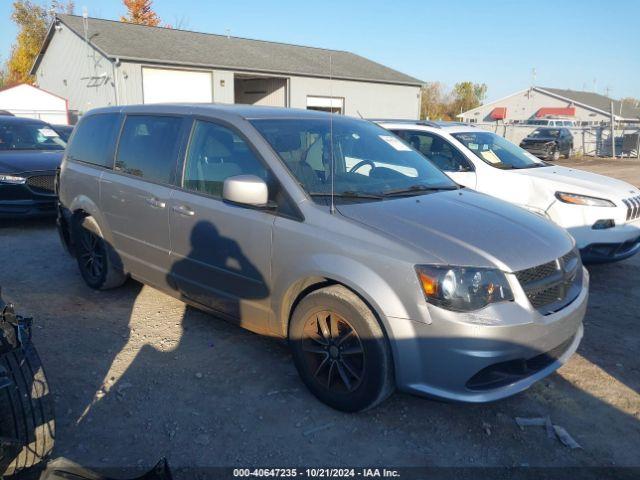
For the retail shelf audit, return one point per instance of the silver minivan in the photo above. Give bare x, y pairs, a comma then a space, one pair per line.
329, 232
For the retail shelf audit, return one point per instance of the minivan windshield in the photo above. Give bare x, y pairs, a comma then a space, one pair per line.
497, 151
29, 136
369, 162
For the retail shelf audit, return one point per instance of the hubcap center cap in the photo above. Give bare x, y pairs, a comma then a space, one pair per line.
334, 352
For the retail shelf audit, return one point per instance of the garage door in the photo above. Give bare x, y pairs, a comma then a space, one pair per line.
164, 85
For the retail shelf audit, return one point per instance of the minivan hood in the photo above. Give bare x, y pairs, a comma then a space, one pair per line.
21, 161
571, 180
467, 228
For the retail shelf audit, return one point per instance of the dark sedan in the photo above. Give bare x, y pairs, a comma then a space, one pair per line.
30, 153
549, 143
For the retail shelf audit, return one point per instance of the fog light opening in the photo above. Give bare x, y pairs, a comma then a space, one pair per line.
604, 224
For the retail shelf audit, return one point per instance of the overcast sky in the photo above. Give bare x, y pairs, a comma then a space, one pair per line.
582, 45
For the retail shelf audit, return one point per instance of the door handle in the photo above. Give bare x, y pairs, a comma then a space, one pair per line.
184, 210
154, 202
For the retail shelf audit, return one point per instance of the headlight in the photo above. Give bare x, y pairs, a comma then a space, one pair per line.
12, 180
463, 289
585, 200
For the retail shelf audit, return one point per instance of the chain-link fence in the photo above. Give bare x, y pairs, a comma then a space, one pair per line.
592, 141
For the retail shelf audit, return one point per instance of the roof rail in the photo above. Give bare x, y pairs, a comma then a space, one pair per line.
426, 123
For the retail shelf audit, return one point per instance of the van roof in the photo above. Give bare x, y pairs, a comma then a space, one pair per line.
248, 112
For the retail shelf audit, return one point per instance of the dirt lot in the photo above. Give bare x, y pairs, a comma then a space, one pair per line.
136, 376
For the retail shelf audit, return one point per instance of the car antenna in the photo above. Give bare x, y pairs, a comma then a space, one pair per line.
359, 114
332, 208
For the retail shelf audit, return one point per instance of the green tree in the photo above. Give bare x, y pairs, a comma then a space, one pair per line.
467, 95
434, 102
32, 21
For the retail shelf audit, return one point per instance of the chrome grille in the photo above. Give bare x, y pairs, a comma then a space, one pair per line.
633, 207
42, 184
550, 286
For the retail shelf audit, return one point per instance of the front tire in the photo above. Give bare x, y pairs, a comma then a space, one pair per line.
569, 153
96, 257
340, 350
555, 154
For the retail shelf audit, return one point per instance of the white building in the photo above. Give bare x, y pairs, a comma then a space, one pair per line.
94, 63
585, 108
31, 102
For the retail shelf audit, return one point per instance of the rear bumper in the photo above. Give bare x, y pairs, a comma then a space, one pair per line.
63, 224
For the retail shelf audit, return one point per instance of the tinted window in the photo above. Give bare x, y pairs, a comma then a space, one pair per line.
29, 136
149, 146
436, 149
215, 154
94, 140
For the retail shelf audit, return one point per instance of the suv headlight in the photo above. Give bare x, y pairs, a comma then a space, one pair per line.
585, 200
463, 289
12, 180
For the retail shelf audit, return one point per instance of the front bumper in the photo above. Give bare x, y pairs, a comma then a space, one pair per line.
485, 360
32, 199
542, 152
610, 252
598, 246
27, 208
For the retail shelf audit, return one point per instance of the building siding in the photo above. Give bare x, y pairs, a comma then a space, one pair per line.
93, 81
522, 106
77, 72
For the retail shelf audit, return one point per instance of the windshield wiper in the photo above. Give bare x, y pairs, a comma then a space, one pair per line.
417, 189
347, 194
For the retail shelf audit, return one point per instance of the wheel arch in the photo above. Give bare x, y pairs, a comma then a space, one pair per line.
366, 292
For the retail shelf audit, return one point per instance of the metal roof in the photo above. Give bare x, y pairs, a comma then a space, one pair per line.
596, 101
169, 46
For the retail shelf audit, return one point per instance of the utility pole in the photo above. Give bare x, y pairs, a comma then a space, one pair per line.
613, 133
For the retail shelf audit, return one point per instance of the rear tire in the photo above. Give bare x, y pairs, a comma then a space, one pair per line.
96, 258
340, 350
26, 412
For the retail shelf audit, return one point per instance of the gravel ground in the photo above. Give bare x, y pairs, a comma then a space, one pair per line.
137, 375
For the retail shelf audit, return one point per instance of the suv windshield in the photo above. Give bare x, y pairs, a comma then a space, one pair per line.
496, 151
545, 133
29, 136
369, 162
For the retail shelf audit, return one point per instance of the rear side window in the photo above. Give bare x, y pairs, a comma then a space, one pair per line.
148, 147
94, 139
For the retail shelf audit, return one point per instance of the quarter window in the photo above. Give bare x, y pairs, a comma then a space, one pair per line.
94, 139
149, 147
215, 154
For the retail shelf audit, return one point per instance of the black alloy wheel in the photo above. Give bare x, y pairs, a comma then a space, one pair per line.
333, 351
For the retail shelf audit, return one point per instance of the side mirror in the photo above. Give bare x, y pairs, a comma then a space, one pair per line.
246, 190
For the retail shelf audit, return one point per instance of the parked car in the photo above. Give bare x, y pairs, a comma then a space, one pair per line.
549, 143
552, 122
601, 213
30, 153
385, 273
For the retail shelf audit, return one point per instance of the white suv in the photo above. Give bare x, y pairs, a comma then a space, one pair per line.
602, 214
